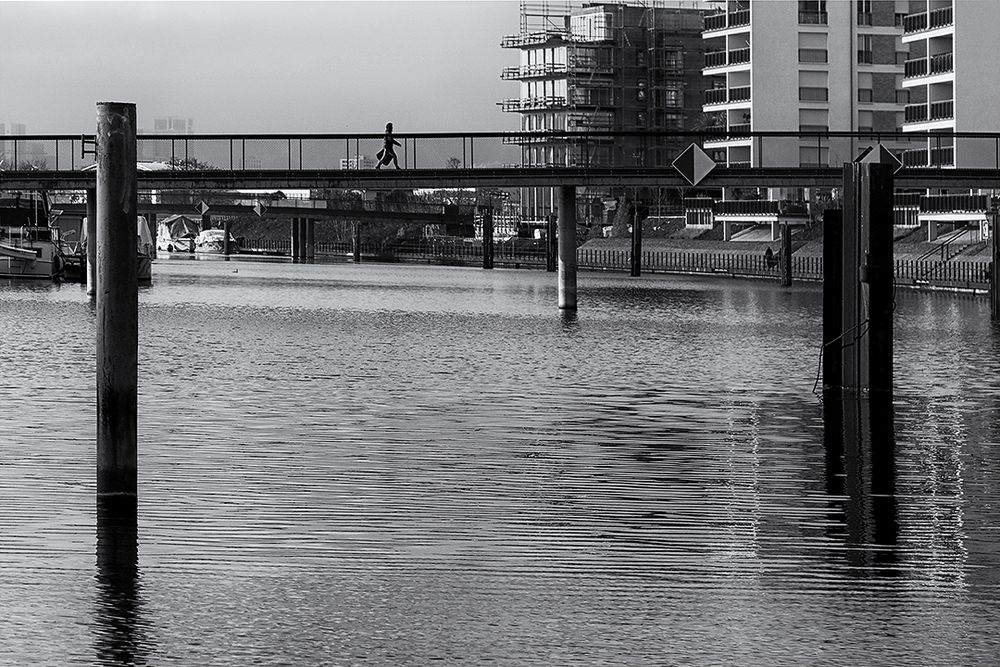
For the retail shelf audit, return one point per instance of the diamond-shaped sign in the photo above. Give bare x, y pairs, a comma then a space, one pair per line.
693, 164
202, 207
259, 209
882, 156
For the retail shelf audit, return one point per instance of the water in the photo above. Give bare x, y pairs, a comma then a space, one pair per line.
394, 464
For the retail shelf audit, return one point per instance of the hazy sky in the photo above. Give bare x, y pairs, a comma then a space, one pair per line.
259, 66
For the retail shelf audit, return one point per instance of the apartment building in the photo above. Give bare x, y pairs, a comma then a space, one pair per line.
602, 66
952, 77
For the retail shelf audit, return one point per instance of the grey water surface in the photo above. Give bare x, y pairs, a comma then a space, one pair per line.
389, 464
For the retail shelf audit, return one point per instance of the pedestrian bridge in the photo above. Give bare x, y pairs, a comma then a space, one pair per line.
497, 159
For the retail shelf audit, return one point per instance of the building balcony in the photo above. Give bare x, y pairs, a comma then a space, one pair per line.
813, 18
530, 38
935, 157
938, 18
727, 20
532, 103
924, 112
941, 63
760, 207
954, 203
724, 96
716, 59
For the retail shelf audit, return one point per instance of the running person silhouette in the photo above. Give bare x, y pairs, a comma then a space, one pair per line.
387, 154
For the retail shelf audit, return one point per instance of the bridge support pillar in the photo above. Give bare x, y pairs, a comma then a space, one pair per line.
117, 303
785, 257
226, 249
357, 242
567, 247
91, 233
636, 256
310, 245
995, 265
862, 335
487, 237
550, 243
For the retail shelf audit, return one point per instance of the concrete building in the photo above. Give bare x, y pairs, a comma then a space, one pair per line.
602, 66
810, 65
164, 150
953, 80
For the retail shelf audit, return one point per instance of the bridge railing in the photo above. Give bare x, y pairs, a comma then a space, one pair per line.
734, 147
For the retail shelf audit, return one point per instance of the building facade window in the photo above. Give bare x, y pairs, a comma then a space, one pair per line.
865, 55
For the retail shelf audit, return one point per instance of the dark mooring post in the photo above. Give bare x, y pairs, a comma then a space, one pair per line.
91, 242
567, 247
310, 245
867, 279
117, 302
293, 250
785, 257
226, 249
636, 243
487, 237
832, 297
550, 243
995, 265
357, 242
206, 221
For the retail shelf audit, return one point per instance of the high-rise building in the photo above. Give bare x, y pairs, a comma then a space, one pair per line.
603, 66
811, 65
953, 79
12, 128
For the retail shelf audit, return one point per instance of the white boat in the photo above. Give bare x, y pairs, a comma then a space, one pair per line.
212, 240
30, 252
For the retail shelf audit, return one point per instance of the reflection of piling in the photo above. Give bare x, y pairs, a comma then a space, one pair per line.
91, 241
861, 333
225, 239
785, 257
995, 265
117, 300
567, 246
636, 257
121, 640
550, 243
487, 236
310, 244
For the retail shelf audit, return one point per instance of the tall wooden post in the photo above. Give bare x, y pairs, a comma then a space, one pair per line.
995, 265
225, 239
91, 241
357, 242
206, 221
832, 298
151, 225
310, 244
294, 249
117, 301
636, 243
785, 257
867, 278
550, 243
487, 236
567, 247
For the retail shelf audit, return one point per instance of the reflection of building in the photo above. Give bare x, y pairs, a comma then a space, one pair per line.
605, 66
953, 79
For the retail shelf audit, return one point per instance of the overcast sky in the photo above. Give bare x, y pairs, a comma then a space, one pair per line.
259, 66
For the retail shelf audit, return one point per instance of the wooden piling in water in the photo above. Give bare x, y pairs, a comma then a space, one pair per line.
294, 247
832, 298
225, 239
357, 242
636, 257
785, 257
487, 237
206, 221
995, 266
551, 248
567, 247
91, 232
117, 301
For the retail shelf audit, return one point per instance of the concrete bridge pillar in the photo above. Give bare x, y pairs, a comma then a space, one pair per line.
567, 247
487, 237
636, 256
293, 251
117, 302
357, 242
727, 230
310, 244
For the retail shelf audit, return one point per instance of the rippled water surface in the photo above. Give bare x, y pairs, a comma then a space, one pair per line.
389, 464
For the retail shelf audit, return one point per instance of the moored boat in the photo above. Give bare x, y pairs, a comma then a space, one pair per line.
212, 241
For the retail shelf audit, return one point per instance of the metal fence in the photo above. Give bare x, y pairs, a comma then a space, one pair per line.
733, 146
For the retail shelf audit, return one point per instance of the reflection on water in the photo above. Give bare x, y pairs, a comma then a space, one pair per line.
397, 464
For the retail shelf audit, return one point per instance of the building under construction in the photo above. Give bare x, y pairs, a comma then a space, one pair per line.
603, 66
